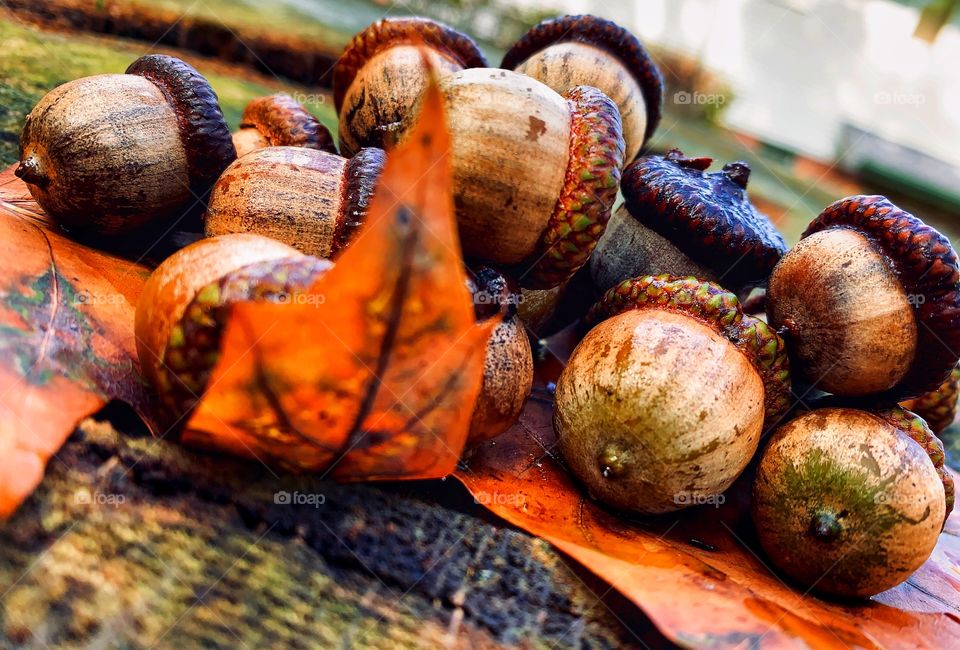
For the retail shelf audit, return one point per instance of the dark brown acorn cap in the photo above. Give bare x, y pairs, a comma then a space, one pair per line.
606, 35
284, 122
492, 292
938, 407
360, 180
203, 131
916, 429
926, 265
194, 346
589, 190
707, 215
389, 32
719, 310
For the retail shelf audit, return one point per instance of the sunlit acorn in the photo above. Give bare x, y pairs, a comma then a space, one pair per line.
380, 76
508, 363
186, 300
680, 219
312, 200
112, 153
662, 404
535, 174
869, 301
850, 502
586, 50
280, 121
938, 407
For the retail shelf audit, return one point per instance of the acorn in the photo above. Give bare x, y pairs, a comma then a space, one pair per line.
587, 50
849, 502
938, 407
869, 302
508, 363
312, 200
113, 153
680, 219
380, 76
280, 121
185, 303
534, 174
662, 404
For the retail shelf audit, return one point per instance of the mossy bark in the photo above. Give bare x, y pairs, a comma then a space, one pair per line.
137, 542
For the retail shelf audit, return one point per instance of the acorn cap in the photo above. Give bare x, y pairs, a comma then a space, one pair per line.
720, 310
203, 131
915, 428
492, 292
360, 180
707, 215
926, 265
589, 189
194, 346
938, 407
603, 34
283, 121
389, 32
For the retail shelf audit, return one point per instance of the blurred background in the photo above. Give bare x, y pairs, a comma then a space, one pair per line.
823, 98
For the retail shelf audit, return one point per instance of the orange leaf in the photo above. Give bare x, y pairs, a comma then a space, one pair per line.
66, 338
375, 372
698, 574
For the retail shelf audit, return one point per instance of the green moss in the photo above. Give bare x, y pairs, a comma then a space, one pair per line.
821, 486
34, 62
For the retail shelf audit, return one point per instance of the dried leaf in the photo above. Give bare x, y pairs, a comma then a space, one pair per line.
66, 338
375, 372
699, 574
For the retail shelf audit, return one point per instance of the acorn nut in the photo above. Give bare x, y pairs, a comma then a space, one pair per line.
534, 174
112, 153
280, 121
850, 502
508, 363
586, 50
680, 219
663, 402
379, 78
185, 304
312, 200
869, 302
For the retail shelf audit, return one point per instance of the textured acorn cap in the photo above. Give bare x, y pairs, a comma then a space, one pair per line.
589, 190
720, 310
389, 32
203, 131
603, 34
706, 215
174, 283
938, 407
927, 268
194, 344
284, 122
913, 426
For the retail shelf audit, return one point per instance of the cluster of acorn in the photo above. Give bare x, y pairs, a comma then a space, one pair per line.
664, 402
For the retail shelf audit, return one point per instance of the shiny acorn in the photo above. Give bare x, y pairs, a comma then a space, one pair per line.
379, 78
310, 199
869, 302
850, 502
663, 402
587, 50
113, 153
